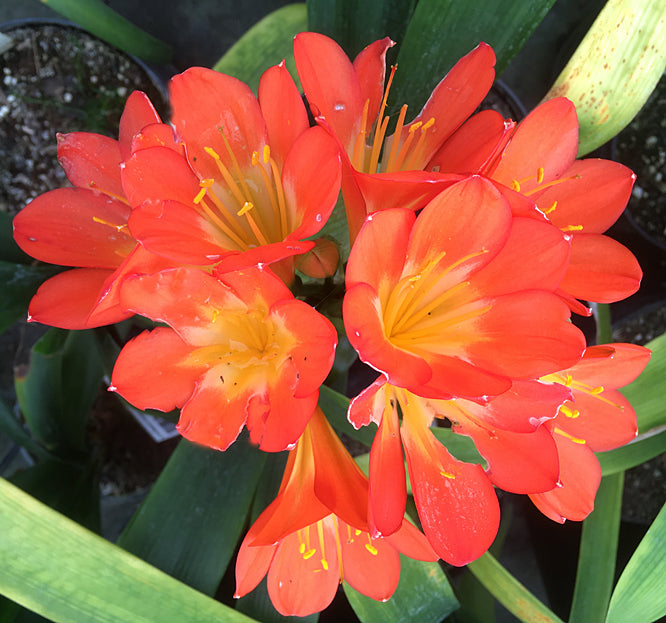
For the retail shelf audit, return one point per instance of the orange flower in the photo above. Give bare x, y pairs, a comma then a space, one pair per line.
536, 162
596, 419
463, 308
315, 534
349, 99
86, 227
254, 180
240, 351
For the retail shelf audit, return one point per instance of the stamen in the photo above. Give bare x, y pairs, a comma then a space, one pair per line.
377, 145
447, 474
282, 204
393, 154
551, 208
320, 533
239, 173
229, 180
122, 228
95, 187
370, 547
572, 228
570, 413
559, 431
247, 206
540, 174
416, 152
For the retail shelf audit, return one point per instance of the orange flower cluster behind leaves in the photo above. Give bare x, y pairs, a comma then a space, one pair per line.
473, 240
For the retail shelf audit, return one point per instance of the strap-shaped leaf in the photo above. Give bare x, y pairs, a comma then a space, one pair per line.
18, 284
643, 449
357, 23
639, 596
596, 558
59, 387
267, 43
105, 23
440, 33
423, 594
66, 573
615, 68
191, 521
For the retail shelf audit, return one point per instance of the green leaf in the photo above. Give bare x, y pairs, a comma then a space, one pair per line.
58, 388
72, 490
355, 24
9, 250
423, 594
440, 33
646, 394
105, 23
66, 573
509, 592
614, 69
192, 518
642, 449
267, 43
11, 427
460, 446
18, 283
596, 557
334, 406
639, 596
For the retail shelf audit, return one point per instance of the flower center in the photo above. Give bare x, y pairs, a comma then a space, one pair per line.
396, 153
247, 207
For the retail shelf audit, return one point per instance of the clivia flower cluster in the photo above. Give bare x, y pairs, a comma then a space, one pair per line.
474, 238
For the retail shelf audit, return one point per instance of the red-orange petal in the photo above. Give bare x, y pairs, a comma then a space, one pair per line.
311, 179
611, 365
547, 138
456, 502
331, 84
368, 406
252, 565
75, 227
206, 104
601, 270
91, 161
410, 541
150, 371
388, 486
592, 194
138, 113
283, 110
455, 98
580, 476
370, 67
66, 300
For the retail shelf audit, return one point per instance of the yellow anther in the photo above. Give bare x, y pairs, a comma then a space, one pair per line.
119, 228
539, 175
324, 564
371, 548
415, 126
428, 124
447, 474
567, 412
216, 313
357, 532
572, 228
597, 390
309, 554
301, 548
559, 431
568, 380
247, 206
551, 208
255, 158
267, 154
211, 152
200, 195
206, 182
515, 185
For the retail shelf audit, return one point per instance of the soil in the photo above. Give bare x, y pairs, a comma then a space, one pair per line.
642, 147
57, 78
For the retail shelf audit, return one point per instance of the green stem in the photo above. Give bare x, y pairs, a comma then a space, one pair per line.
103, 22
509, 592
602, 317
598, 549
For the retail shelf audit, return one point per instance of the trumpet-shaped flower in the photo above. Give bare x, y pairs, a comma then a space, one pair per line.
349, 99
596, 419
536, 161
86, 227
254, 180
314, 535
239, 350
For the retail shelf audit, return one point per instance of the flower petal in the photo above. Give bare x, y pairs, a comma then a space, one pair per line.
547, 138
282, 108
580, 476
410, 541
66, 300
613, 369
370, 67
151, 373
252, 565
75, 227
225, 108
601, 270
330, 83
139, 112
91, 161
